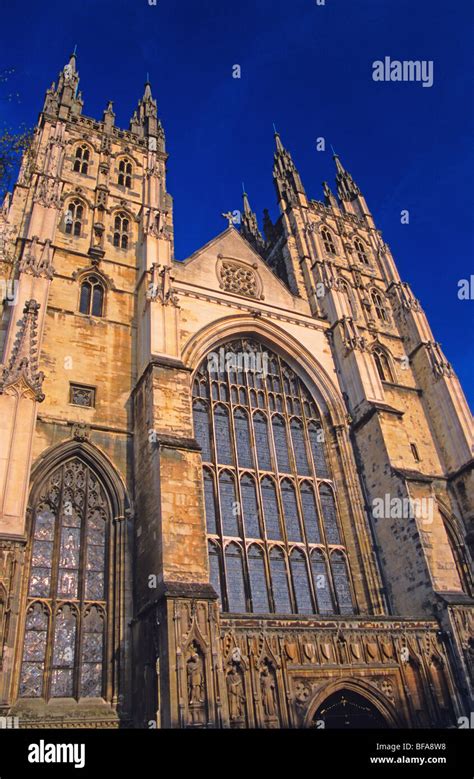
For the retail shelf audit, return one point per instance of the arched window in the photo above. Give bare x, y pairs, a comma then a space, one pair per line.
379, 306
382, 364
81, 159
74, 218
209, 501
260, 512
299, 572
223, 442
341, 582
250, 507
202, 428
328, 241
215, 568
270, 510
242, 436
92, 297
121, 231
361, 251
328, 505
229, 504
279, 574
68, 586
125, 174
299, 448
260, 426
310, 513
258, 580
235, 579
290, 509
321, 582
281, 443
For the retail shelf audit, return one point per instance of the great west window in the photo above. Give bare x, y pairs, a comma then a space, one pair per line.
274, 536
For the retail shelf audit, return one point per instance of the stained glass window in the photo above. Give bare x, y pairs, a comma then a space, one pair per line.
202, 429
281, 444
235, 579
258, 582
261, 440
211, 523
299, 570
67, 604
281, 594
269, 405
321, 582
341, 582
214, 568
229, 504
328, 505
224, 446
270, 510
290, 508
242, 435
250, 507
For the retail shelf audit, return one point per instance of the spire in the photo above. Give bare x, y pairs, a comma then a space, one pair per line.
65, 99
145, 122
286, 178
249, 225
347, 189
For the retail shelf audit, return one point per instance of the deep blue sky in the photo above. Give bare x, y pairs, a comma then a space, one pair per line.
307, 68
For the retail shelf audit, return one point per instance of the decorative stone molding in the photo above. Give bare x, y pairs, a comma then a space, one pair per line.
21, 376
37, 260
160, 286
239, 277
351, 336
439, 364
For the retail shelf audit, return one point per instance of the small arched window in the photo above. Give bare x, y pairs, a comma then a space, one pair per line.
361, 251
382, 364
328, 241
125, 174
82, 159
92, 297
74, 218
379, 306
121, 231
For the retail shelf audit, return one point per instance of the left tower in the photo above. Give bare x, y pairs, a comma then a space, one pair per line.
88, 215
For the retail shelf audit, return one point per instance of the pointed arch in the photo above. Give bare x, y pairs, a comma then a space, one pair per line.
76, 532
388, 712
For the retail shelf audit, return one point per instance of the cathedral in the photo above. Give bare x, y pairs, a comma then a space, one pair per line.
236, 491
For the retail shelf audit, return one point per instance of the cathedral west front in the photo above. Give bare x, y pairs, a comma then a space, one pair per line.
236, 491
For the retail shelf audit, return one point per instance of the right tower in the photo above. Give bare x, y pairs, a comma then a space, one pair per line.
411, 426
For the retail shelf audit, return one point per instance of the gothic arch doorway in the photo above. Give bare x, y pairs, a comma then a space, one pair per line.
346, 709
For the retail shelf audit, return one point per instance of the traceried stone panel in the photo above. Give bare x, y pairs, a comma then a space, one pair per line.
239, 277
275, 543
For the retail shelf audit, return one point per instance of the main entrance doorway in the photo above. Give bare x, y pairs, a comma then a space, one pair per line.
345, 709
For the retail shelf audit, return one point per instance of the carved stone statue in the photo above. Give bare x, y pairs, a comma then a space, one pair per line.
195, 677
267, 684
235, 692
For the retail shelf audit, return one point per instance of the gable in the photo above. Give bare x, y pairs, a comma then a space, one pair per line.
228, 264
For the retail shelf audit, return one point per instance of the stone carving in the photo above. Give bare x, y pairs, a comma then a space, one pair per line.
439, 364
195, 676
21, 374
351, 336
235, 693
37, 260
160, 286
268, 690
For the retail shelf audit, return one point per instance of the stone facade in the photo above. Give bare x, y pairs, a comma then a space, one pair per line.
109, 612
